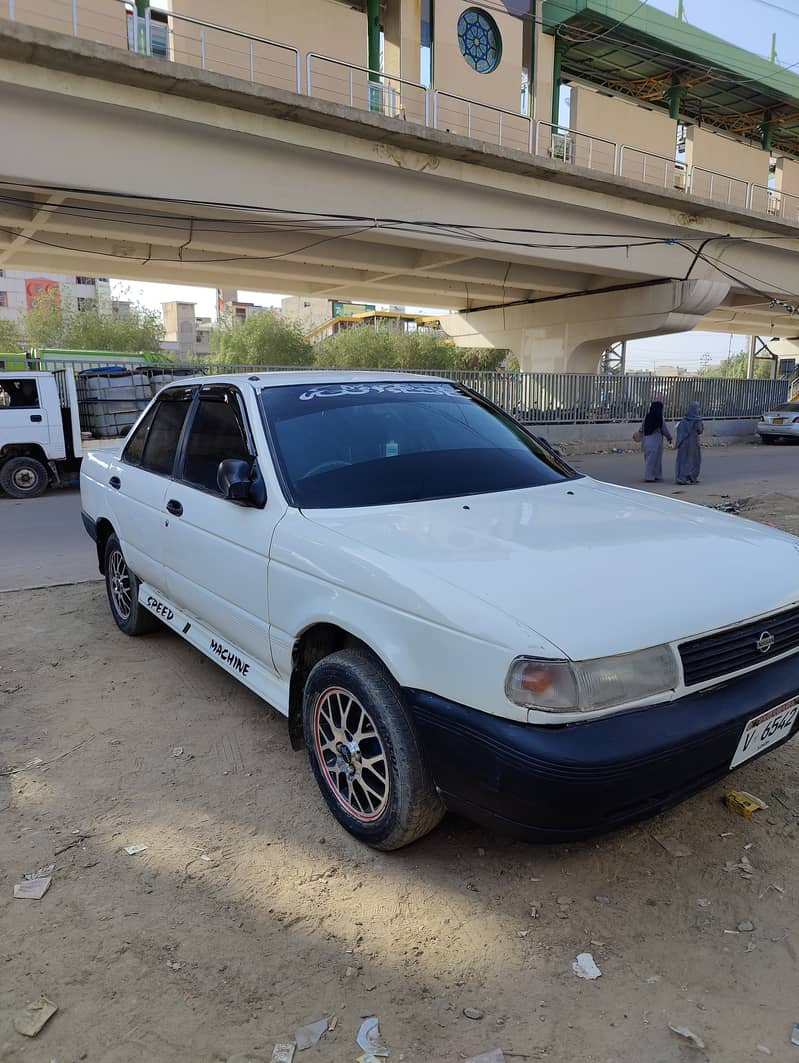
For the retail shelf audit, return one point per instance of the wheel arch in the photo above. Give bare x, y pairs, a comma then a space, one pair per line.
315, 643
105, 530
23, 450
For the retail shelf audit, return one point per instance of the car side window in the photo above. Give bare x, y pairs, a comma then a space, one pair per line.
135, 445
19, 394
217, 432
161, 444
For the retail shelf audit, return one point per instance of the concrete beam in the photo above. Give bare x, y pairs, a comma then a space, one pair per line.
569, 334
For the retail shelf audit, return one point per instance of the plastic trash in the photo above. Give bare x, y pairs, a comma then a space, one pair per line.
584, 967
132, 850
369, 1038
687, 1035
745, 804
495, 1056
311, 1034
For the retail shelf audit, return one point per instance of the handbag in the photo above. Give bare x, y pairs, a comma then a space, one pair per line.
637, 436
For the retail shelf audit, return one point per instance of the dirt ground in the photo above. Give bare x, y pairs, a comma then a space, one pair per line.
251, 912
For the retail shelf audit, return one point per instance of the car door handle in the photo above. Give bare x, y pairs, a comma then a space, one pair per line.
174, 507
36, 417
115, 482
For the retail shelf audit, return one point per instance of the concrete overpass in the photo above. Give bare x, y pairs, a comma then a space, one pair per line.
124, 164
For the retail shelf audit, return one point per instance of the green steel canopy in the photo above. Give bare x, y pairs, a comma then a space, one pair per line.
636, 50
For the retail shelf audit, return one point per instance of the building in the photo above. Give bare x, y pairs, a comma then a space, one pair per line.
484, 69
385, 320
19, 289
185, 334
670, 370
312, 313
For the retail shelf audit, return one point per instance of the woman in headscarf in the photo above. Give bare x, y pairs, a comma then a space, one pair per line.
653, 431
689, 454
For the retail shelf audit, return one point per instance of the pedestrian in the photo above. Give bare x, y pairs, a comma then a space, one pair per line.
689, 454
653, 431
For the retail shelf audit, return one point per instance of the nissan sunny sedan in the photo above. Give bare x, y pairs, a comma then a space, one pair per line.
448, 615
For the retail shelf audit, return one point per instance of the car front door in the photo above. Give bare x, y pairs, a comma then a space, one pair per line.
139, 482
23, 414
217, 551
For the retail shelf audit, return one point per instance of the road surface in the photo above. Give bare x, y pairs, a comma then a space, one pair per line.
43, 542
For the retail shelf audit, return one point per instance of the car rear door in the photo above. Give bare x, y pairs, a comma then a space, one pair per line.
217, 551
140, 481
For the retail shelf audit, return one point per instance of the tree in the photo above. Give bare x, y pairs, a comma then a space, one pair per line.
10, 337
734, 367
369, 348
140, 330
49, 324
43, 325
261, 339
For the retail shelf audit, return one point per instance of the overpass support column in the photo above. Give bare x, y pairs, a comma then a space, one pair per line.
569, 334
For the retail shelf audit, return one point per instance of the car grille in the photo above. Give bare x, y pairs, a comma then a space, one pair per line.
730, 651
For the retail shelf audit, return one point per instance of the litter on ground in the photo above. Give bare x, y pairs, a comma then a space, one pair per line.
34, 1016
584, 967
687, 1035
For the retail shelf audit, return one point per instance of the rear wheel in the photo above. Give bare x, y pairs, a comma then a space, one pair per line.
122, 588
365, 754
23, 477
768, 440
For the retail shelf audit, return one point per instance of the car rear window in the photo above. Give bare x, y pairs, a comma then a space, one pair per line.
378, 443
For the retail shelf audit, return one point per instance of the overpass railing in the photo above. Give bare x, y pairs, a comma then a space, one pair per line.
209, 46
370, 90
221, 49
532, 398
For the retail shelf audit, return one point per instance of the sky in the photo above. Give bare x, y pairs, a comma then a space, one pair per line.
747, 23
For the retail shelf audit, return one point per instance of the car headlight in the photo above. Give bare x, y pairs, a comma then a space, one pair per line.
587, 686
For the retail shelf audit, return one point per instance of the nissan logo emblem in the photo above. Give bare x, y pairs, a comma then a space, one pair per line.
765, 643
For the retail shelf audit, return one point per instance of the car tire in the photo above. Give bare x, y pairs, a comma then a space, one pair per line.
365, 754
24, 477
122, 589
768, 440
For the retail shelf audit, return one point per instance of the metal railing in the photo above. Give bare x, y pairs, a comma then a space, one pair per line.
650, 169
482, 121
532, 398
721, 187
197, 42
371, 90
774, 202
221, 49
574, 148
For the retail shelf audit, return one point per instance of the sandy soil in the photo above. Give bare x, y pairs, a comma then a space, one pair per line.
251, 913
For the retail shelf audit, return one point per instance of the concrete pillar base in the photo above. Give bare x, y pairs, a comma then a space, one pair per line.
569, 334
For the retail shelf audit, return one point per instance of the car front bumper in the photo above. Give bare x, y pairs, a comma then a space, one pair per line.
555, 783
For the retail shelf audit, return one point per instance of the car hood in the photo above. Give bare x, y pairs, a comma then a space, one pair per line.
593, 568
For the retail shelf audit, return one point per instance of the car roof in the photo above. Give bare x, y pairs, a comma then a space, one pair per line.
269, 378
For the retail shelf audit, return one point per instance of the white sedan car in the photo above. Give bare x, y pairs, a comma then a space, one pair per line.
780, 423
448, 615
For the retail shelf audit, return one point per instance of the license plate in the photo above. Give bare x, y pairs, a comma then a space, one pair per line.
777, 420
764, 730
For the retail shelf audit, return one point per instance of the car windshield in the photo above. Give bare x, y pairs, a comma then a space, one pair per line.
348, 444
787, 407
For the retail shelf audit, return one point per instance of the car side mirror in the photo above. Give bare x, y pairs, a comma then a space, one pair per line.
241, 482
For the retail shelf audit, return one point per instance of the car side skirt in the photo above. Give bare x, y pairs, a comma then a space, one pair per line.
230, 658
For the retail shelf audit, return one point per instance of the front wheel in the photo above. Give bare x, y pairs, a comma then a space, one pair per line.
364, 752
23, 477
122, 588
